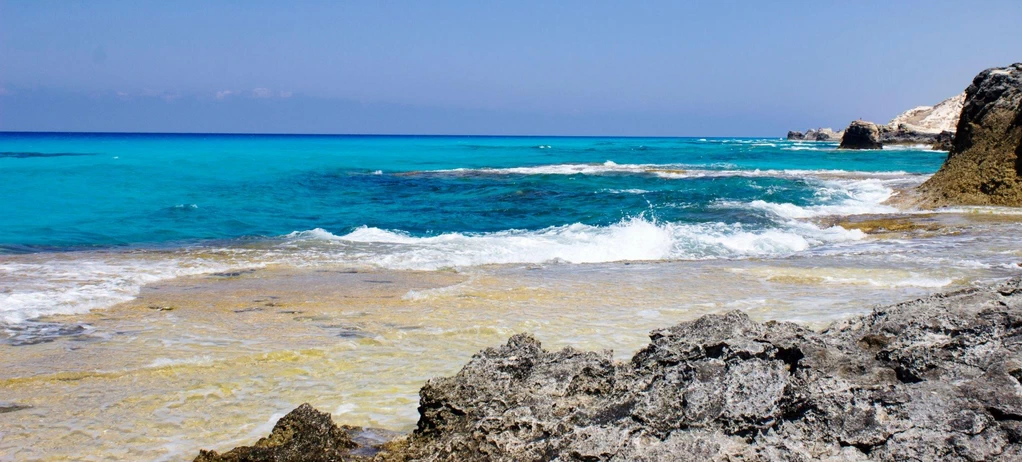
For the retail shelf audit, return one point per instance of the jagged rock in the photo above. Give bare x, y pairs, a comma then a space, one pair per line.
818, 134
944, 141
984, 165
304, 435
932, 379
823, 134
903, 134
861, 135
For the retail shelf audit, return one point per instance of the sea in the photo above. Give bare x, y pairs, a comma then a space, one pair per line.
165, 292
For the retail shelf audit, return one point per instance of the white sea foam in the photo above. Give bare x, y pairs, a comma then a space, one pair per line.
844, 197
677, 171
628, 240
907, 147
32, 286
625, 191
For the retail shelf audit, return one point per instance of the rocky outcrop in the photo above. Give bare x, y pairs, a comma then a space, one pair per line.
304, 435
944, 141
902, 134
819, 134
861, 135
920, 125
984, 165
933, 379
931, 119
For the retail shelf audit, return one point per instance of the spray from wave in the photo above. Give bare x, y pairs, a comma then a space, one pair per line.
629, 240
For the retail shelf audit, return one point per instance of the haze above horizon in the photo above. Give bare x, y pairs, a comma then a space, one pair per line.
525, 68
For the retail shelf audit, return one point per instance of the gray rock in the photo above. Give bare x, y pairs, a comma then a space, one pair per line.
817, 134
932, 379
903, 134
861, 135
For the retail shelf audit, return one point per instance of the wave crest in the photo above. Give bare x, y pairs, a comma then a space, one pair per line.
635, 239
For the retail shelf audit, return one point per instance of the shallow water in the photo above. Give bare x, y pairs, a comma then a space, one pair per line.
345, 272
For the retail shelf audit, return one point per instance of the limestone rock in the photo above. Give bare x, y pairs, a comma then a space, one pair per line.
984, 165
817, 134
936, 378
933, 379
861, 135
931, 119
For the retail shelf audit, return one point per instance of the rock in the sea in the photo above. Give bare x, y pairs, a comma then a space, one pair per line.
861, 135
304, 435
903, 134
817, 134
944, 141
932, 379
984, 165
823, 134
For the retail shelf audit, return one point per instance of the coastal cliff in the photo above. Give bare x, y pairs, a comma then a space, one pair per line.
936, 378
984, 166
931, 125
931, 119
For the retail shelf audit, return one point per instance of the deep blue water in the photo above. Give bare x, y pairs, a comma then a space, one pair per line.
61, 190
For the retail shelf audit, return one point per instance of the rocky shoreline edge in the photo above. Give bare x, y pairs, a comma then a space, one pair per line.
937, 378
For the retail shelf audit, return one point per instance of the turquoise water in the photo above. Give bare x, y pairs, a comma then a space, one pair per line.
94, 190
86, 220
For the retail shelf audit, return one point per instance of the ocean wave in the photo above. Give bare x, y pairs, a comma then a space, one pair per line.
853, 197
636, 239
669, 171
907, 147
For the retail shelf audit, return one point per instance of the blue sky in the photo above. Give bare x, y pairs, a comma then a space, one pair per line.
482, 67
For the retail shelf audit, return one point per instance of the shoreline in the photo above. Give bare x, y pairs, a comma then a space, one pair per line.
192, 360
892, 384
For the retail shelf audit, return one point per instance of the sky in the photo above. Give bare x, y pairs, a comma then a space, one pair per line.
610, 68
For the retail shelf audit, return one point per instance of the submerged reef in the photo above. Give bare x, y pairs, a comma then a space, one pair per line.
936, 378
984, 165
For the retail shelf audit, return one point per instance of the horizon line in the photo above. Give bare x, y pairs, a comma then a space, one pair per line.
57, 132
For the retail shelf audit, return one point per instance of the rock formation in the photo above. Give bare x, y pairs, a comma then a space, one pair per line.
944, 141
931, 119
932, 379
861, 135
902, 134
819, 134
920, 125
304, 435
984, 165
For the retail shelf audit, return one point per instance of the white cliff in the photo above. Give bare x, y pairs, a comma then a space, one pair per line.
932, 119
